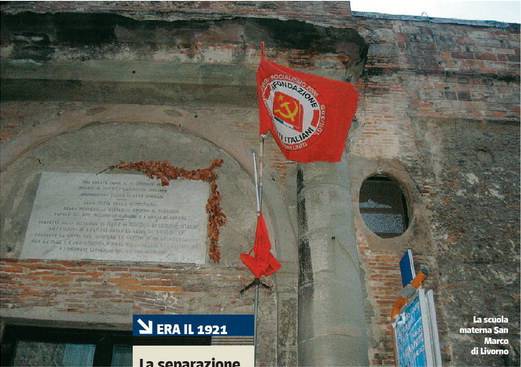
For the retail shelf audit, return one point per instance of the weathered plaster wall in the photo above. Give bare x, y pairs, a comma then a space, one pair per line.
439, 110
79, 137
40, 291
197, 76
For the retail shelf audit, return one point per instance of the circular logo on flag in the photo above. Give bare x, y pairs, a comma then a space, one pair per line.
297, 115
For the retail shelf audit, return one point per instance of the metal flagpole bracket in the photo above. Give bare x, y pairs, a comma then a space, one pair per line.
256, 282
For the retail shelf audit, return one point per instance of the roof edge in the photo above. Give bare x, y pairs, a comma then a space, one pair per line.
416, 18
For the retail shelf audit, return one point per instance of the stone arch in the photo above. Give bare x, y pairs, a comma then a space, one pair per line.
185, 120
74, 121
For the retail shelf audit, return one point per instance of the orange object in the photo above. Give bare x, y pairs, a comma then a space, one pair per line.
397, 306
418, 280
402, 301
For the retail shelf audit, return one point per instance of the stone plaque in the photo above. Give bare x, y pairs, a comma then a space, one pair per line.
117, 217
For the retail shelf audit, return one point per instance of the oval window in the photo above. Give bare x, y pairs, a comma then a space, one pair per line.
383, 206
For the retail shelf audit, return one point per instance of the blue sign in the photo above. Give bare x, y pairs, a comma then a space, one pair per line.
193, 325
409, 333
407, 268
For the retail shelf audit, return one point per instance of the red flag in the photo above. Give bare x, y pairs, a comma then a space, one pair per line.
263, 263
309, 116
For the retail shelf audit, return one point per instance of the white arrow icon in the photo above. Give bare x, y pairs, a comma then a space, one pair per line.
147, 328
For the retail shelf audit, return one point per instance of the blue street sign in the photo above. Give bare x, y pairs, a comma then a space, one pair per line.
193, 325
407, 268
410, 339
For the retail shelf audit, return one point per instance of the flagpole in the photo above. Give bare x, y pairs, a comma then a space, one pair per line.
261, 168
258, 193
273, 265
255, 311
256, 177
259, 212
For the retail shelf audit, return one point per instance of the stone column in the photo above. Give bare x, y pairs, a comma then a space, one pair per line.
332, 327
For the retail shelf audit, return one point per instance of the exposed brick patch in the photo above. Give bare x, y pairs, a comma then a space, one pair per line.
383, 285
73, 285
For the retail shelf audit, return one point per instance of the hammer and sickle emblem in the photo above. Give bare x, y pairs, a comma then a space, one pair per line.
288, 113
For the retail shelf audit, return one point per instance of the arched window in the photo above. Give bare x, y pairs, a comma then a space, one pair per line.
383, 206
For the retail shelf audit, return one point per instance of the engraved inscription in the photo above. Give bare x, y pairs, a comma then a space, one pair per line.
117, 217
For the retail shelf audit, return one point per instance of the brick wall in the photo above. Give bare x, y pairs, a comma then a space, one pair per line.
438, 100
442, 100
118, 290
97, 294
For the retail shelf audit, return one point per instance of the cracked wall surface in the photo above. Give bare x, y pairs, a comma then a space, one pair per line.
438, 110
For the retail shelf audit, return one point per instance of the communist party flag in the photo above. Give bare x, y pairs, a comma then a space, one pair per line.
263, 263
308, 116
